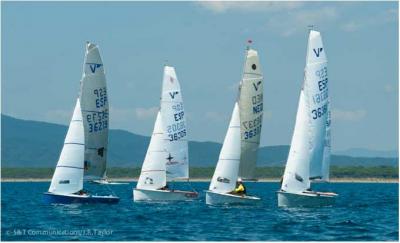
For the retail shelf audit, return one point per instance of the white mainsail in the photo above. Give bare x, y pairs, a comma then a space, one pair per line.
308, 142
226, 172
317, 98
251, 113
153, 174
95, 112
68, 176
174, 127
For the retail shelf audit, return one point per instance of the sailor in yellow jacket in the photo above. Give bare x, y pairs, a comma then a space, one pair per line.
240, 188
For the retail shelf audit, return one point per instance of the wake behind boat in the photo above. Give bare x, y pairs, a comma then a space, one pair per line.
309, 155
54, 198
167, 157
108, 182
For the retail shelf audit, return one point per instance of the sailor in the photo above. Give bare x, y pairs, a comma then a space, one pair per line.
81, 192
240, 188
166, 187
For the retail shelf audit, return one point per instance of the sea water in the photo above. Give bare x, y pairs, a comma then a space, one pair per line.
363, 212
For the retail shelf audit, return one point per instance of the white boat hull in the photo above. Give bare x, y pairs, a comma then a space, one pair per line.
215, 198
163, 195
286, 199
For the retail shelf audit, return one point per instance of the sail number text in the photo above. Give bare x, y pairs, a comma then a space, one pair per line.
97, 121
177, 130
257, 101
322, 74
253, 127
101, 97
317, 113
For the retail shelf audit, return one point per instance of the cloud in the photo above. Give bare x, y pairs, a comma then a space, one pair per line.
233, 87
248, 6
293, 22
267, 114
350, 26
139, 113
58, 116
348, 115
389, 88
121, 114
215, 116
381, 18
146, 113
390, 15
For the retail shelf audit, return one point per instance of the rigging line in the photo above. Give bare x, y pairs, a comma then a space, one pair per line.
191, 187
112, 192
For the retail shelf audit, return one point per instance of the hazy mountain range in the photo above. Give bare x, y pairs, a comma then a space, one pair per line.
38, 144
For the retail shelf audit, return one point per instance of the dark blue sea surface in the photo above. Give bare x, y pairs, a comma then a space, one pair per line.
363, 212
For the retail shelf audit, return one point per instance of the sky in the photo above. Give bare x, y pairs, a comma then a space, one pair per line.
43, 45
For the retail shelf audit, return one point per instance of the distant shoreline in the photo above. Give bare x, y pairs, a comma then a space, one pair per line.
333, 180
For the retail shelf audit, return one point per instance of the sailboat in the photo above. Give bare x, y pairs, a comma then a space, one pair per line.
309, 155
67, 182
167, 157
95, 111
239, 151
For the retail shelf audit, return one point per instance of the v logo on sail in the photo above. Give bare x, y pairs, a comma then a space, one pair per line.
318, 51
94, 66
256, 86
172, 94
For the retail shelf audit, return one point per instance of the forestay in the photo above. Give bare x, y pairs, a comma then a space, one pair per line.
226, 172
251, 113
153, 174
95, 111
68, 176
174, 126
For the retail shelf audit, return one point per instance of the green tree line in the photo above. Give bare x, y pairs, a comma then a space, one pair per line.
207, 172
